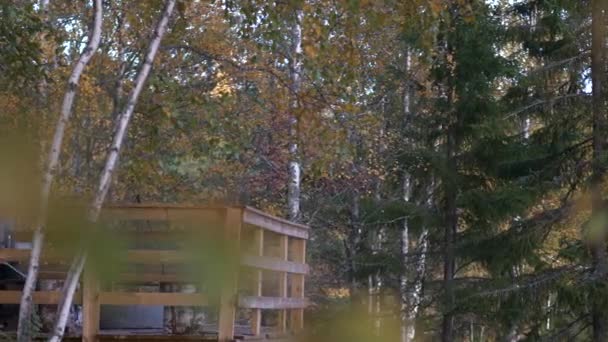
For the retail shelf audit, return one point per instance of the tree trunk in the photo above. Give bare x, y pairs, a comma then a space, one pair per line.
353, 243
449, 260
450, 191
25, 311
77, 266
375, 286
293, 188
408, 329
413, 289
596, 241
411, 280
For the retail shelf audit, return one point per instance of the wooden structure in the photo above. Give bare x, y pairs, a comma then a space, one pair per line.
270, 250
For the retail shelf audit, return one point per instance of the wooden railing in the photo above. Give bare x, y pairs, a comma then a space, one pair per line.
251, 233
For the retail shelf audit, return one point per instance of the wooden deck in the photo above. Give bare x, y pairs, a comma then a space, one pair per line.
267, 245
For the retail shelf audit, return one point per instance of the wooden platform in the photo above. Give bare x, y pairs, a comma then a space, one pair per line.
266, 245
157, 335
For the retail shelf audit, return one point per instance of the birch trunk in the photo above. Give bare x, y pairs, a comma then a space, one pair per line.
46, 313
77, 266
25, 311
411, 289
293, 188
353, 242
407, 328
375, 283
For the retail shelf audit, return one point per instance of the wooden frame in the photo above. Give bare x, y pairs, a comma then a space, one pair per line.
290, 265
256, 315
297, 285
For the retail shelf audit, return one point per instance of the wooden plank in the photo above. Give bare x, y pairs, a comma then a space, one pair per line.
150, 256
134, 213
276, 219
297, 284
274, 264
40, 297
129, 234
90, 306
20, 255
163, 211
256, 315
153, 298
232, 232
283, 254
151, 277
153, 205
125, 336
198, 216
148, 277
274, 224
274, 303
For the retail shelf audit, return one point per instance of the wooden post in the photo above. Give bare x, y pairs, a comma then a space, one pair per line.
283, 254
256, 315
90, 306
232, 233
297, 284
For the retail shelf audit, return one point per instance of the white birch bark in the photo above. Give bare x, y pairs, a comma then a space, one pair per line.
377, 282
293, 188
25, 309
548, 310
411, 289
526, 126
77, 266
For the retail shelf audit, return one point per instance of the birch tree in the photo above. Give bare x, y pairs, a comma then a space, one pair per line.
76, 268
25, 312
411, 282
295, 74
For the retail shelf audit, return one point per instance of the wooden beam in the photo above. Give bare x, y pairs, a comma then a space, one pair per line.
153, 205
20, 255
256, 315
125, 335
274, 264
149, 256
152, 256
297, 284
278, 225
90, 306
40, 297
153, 298
283, 254
274, 303
128, 234
199, 216
113, 298
134, 213
232, 233
164, 212
148, 277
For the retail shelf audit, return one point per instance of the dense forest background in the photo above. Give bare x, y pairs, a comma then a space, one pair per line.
449, 156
